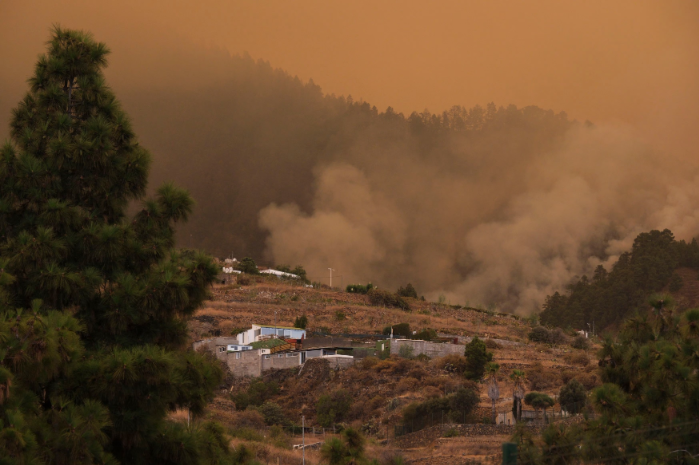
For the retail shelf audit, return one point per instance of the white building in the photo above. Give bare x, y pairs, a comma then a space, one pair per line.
259, 332
237, 348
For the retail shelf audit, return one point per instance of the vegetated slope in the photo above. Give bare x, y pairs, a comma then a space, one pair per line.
656, 262
255, 136
379, 390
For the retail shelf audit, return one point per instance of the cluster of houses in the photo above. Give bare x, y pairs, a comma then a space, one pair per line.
268, 347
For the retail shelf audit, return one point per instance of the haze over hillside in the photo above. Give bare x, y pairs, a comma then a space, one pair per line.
486, 205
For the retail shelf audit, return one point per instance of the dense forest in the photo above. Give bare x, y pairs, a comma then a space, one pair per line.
259, 135
607, 298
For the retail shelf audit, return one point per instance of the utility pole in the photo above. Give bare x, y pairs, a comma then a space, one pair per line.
303, 437
331, 277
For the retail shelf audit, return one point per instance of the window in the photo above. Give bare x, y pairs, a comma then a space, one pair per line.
221, 349
291, 355
237, 355
267, 356
280, 355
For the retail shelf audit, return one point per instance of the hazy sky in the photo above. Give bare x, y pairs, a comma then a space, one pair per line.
633, 61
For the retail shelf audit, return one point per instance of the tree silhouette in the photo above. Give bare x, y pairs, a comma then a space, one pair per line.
93, 305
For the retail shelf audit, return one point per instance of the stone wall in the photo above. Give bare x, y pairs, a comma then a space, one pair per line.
427, 436
431, 349
249, 363
339, 362
275, 362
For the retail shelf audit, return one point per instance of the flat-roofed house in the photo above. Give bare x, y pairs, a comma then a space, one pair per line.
258, 332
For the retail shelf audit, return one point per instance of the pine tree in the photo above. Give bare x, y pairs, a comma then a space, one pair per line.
93, 305
477, 356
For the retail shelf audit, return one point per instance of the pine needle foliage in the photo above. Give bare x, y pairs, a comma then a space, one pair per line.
93, 304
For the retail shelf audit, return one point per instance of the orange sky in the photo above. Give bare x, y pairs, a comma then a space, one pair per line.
632, 61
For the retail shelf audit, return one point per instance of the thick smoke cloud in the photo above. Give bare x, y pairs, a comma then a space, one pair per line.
572, 208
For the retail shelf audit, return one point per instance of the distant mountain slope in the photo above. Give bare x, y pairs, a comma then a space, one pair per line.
257, 135
656, 263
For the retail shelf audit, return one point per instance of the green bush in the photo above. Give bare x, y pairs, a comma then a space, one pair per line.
301, 322
248, 265
572, 396
272, 413
359, 288
676, 283
456, 406
540, 334
451, 433
383, 298
477, 357
401, 329
407, 291
580, 342
257, 393
339, 315
332, 408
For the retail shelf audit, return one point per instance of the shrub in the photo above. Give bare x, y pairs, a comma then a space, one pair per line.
243, 280
539, 334
339, 315
406, 385
451, 433
540, 379
332, 408
477, 357
301, 322
572, 396
557, 336
462, 403
452, 363
426, 335
257, 393
491, 344
383, 298
580, 342
675, 283
272, 413
358, 288
539, 400
369, 362
579, 359
248, 265
407, 291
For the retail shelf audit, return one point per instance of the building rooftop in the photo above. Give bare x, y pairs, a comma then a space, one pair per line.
278, 327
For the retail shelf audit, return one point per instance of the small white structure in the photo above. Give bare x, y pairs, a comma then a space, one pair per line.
230, 261
259, 332
230, 269
237, 348
280, 274
582, 333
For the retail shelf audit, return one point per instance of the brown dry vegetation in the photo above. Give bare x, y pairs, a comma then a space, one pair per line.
380, 389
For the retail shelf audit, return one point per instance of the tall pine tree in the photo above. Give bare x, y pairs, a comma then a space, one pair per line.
93, 305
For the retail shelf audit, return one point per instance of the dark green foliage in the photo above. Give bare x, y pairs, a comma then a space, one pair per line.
580, 342
298, 271
609, 297
401, 329
248, 265
649, 404
408, 291
477, 357
383, 298
426, 335
258, 392
332, 408
301, 322
572, 396
93, 304
349, 449
539, 334
675, 283
359, 288
538, 400
456, 406
272, 413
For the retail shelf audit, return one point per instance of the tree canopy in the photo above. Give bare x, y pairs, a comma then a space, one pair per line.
93, 304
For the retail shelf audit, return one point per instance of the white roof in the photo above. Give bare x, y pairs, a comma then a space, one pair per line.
280, 273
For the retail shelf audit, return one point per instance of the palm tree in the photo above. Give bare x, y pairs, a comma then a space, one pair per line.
517, 377
493, 390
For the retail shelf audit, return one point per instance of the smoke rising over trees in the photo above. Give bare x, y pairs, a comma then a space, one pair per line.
486, 205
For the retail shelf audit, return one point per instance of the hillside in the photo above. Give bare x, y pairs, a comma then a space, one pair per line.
380, 389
